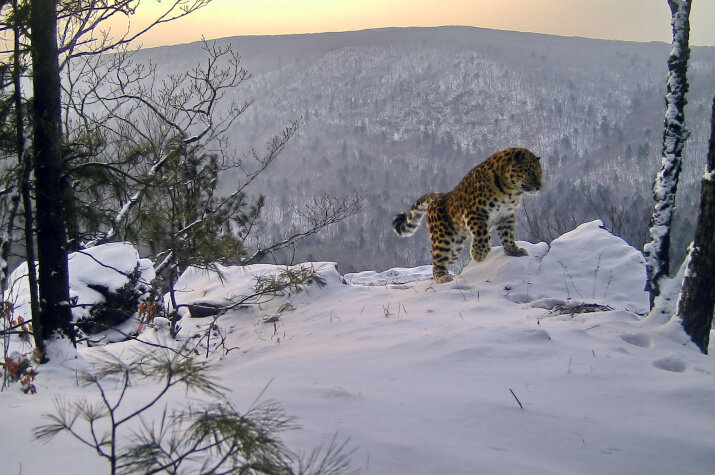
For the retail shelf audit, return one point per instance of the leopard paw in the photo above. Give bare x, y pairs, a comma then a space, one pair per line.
516, 252
443, 278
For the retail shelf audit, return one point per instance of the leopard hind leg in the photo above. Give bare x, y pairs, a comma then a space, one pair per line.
447, 243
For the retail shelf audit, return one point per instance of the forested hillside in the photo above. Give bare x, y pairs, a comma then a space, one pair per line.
396, 113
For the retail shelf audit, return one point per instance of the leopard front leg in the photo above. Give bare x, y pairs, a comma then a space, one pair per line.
481, 241
505, 228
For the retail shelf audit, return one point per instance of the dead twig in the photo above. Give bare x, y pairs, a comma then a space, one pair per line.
517, 399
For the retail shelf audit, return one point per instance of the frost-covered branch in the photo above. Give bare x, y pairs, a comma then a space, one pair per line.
324, 211
166, 119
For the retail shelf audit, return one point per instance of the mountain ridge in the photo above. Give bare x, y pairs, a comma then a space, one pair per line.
399, 112
414, 28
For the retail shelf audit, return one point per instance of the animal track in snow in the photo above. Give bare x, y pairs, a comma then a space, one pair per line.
671, 364
532, 335
519, 298
638, 339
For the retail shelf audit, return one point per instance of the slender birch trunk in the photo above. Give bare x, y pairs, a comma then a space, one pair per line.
657, 249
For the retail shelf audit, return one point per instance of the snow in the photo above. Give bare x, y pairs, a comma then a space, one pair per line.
420, 376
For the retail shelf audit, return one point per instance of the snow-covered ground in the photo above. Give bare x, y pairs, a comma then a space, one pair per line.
424, 379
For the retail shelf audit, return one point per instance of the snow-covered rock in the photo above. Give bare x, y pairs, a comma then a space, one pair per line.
586, 264
106, 266
229, 284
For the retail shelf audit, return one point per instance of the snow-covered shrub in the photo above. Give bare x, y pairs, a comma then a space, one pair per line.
117, 307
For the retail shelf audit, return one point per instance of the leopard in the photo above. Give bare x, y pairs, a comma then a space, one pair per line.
486, 198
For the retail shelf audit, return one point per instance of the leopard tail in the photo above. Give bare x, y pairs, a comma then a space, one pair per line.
405, 224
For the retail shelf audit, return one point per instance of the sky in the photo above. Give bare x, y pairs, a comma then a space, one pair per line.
635, 20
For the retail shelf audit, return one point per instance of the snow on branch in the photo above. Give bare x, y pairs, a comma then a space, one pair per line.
135, 198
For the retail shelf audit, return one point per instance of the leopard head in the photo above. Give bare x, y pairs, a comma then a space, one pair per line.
524, 171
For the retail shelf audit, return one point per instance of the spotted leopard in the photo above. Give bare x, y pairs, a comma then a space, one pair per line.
486, 198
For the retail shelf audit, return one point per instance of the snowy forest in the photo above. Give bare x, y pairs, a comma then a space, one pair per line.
199, 271
395, 114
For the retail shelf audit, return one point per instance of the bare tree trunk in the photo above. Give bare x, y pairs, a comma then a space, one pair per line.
666, 183
55, 313
25, 162
697, 299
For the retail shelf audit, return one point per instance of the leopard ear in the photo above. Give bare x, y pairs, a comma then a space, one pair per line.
521, 155
525, 154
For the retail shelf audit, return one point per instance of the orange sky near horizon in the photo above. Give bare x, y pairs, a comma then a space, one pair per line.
638, 20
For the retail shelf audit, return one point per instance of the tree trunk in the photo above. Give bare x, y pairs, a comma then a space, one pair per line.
55, 313
697, 299
25, 162
657, 250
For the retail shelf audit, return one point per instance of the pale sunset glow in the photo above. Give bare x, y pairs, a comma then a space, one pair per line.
630, 20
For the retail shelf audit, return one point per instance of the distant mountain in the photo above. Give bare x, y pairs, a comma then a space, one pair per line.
401, 112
